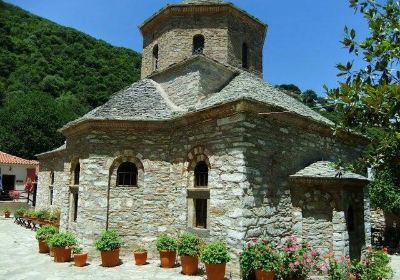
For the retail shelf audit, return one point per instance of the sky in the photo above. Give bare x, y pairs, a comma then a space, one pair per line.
302, 45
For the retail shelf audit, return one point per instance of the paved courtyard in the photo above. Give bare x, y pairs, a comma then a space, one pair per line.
20, 260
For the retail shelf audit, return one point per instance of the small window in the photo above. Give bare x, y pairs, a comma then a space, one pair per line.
201, 213
52, 178
201, 174
51, 195
77, 172
127, 174
75, 214
198, 44
245, 56
155, 58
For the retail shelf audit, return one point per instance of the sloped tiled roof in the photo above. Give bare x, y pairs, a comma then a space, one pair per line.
59, 149
10, 159
201, 2
326, 170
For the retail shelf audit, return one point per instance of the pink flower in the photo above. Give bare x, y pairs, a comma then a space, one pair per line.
291, 265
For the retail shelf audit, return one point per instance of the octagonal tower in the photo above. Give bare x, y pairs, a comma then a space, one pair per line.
212, 28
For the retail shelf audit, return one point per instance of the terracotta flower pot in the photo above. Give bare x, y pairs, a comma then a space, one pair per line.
51, 253
140, 258
215, 271
264, 275
62, 254
352, 276
43, 248
189, 265
7, 214
80, 259
110, 258
167, 259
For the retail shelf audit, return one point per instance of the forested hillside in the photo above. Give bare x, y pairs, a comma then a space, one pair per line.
49, 75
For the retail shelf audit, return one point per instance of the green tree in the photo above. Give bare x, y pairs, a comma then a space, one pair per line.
369, 98
309, 97
290, 87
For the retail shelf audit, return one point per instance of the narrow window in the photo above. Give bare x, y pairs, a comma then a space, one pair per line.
198, 44
127, 174
201, 180
350, 219
77, 172
245, 56
51, 195
201, 213
155, 58
201, 174
51, 178
75, 214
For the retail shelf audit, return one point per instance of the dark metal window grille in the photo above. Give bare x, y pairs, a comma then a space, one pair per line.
201, 174
77, 172
198, 44
245, 56
51, 195
52, 178
155, 57
75, 206
127, 174
201, 213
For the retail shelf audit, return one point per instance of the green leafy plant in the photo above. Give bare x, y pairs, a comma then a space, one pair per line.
46, 232
266, 257
77, 250
337, 268
64, 239
215, 253
140, 249
358, 270
20, 212
109, 240
246, 259
378, 265
55, 216
7, 210
42, 214
166, 243
188, 245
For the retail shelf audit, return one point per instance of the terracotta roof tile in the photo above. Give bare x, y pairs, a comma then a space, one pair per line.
10, 159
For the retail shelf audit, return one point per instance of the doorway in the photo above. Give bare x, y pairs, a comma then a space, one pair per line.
8, 182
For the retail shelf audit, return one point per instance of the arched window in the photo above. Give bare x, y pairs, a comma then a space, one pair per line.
201, 174
245, 56
155, 57
201, 180
198, 44
127, 174
77, 172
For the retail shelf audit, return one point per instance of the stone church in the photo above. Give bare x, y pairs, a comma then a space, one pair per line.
203, 144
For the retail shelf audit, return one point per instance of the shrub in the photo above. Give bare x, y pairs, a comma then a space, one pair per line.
215, 253
42, 214
246, 258
338, 268
20, 211
188, 245
140, 249
65, 239
77, 250
109, 240
377, 265
166, 243
46, 232
266, 257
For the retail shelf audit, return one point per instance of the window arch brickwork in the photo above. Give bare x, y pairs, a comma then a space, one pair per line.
126, 159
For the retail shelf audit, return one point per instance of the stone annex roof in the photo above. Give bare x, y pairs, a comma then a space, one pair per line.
10, 159
326, 170
59, 149
146, 100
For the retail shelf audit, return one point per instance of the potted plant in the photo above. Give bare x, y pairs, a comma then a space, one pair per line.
7, 213
42, 214
166, 245
20, 212
62, 244
188, 247
215, 256
140, 255
246, 260
80, 257
109, 243
54, 218
266, 260
42, 234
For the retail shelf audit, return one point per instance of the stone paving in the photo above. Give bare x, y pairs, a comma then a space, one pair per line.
20, 260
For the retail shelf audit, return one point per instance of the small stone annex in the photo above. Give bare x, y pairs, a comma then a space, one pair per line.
202, 144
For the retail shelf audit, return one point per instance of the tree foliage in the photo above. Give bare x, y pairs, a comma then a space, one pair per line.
50, 75
368, 99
